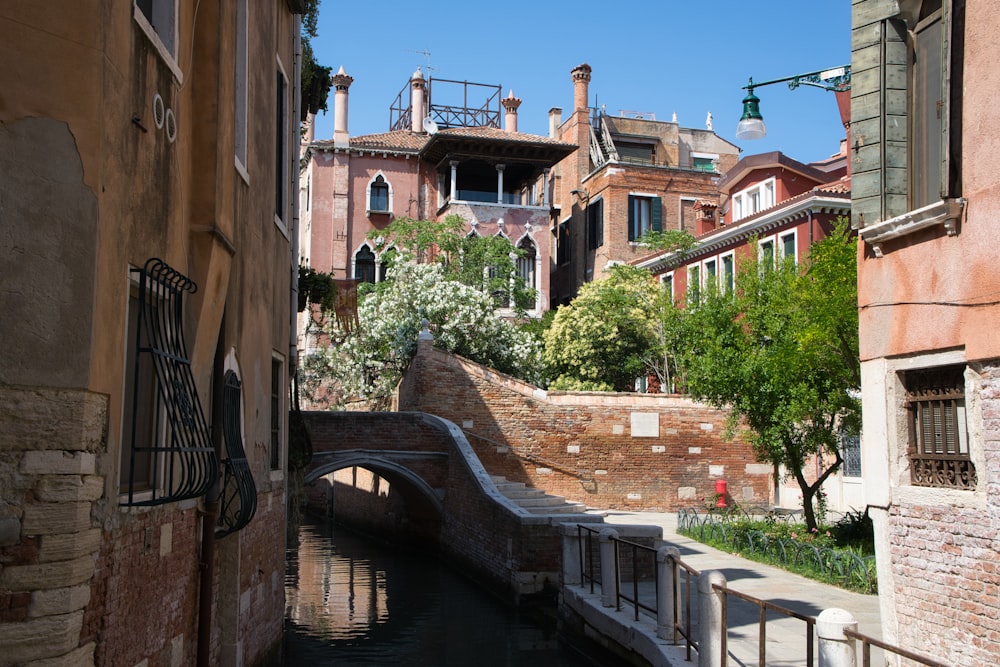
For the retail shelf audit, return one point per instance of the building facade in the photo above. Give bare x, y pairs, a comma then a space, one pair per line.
631, 174
437, 160
777, 207
147, 154
925, 202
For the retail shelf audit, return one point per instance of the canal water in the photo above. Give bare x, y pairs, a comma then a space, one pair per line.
353, 601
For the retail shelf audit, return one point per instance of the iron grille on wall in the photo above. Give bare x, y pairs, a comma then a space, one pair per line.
171, 456
239, 493
938, 443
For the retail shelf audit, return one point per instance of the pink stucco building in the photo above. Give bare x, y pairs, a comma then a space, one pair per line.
434, 161
926, 202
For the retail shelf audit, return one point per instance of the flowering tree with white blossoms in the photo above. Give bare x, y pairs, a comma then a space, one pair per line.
367, 363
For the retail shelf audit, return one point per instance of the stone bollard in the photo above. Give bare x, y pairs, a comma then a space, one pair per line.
668, 602
710, 619
835, 648
609, 574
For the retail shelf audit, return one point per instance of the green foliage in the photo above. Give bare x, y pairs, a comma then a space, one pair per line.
315, 287
782, 354
600, 340
368, 362
670, 240
315, 77
486, 263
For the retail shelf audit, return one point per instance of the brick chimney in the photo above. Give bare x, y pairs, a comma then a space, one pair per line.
341, 82
581, 81
555, 120
705, 216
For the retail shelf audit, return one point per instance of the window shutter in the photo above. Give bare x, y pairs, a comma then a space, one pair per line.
655, 215
631, 217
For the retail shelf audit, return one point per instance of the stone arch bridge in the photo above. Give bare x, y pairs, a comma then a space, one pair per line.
414, 475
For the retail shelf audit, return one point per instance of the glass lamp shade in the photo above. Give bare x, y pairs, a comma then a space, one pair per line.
751, 125
751, 128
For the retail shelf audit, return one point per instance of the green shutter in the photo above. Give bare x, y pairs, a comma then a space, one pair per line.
655, 215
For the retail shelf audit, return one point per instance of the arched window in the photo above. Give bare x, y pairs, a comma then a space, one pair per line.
364, 265
526, 269
378, 195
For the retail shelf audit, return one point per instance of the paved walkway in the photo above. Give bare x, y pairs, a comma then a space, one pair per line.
785, 636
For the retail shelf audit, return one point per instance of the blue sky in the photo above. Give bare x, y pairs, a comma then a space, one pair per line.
669, 56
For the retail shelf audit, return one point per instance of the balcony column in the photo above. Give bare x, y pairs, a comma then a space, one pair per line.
500, 168
545, 187
454, 180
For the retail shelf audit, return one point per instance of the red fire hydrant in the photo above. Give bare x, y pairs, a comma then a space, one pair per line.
720, 491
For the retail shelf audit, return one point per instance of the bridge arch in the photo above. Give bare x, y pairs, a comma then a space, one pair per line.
389, 469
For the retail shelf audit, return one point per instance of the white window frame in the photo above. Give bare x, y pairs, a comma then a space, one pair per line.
241, 77
164, 39
888, 469
278, 473
779, 246
766, 192
668, 280
771, 241
705, 280
368, 195
724, 285
696, 283
633, 218
286, 146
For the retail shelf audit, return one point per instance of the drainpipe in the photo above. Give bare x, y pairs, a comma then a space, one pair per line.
293, 358
210, 513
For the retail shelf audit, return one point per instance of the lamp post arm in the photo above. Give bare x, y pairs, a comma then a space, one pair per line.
836, 79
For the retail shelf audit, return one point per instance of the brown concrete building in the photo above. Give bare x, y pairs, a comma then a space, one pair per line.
146, 171
630, 174
926, 202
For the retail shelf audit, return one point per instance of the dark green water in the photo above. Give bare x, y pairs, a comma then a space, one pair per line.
352, 601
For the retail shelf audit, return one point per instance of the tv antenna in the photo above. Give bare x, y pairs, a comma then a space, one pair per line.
426, 54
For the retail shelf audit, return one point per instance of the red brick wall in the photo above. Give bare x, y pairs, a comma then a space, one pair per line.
527, 435
144, 599
944, 564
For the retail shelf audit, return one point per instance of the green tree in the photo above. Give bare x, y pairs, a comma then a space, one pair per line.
367, 363
601, 341
782, 354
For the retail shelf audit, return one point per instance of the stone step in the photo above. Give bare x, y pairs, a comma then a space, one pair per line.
535, 500
540, 501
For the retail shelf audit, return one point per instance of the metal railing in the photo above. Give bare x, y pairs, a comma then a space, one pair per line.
673, 603
620, 596
764, 606
867, 642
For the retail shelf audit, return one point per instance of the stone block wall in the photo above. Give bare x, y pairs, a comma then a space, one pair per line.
49, 482
615, 451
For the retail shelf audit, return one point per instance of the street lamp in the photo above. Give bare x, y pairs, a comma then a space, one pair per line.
751, 125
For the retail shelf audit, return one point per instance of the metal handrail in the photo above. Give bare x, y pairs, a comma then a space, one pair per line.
619, 595
582, 530
867, 642
763, 606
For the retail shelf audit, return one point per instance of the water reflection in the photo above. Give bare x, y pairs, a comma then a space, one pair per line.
352, 602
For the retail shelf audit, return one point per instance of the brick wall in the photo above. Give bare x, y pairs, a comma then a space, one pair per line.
587, 446
945, 570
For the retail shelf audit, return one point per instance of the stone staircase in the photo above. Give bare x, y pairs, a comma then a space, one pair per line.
535, 500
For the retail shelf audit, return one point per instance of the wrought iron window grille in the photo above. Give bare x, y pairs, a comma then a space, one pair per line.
938, 445
238, 501
177, 445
